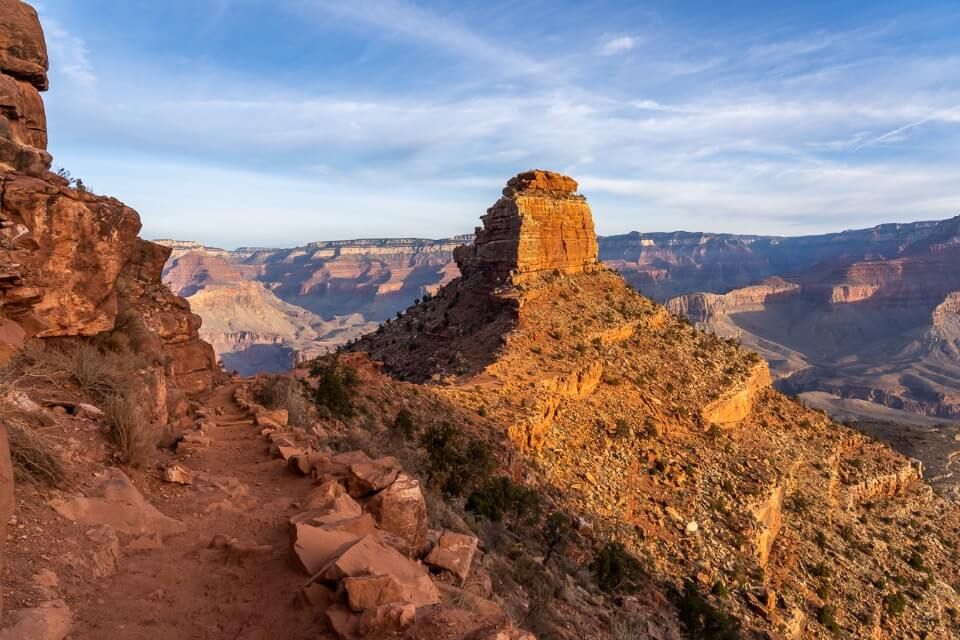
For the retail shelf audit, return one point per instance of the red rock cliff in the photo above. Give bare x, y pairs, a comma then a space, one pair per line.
71, 260
539, 225
71, 264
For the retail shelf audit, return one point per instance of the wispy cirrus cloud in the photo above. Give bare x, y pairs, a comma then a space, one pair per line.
617, 45
814, 129
72, 54
414, 22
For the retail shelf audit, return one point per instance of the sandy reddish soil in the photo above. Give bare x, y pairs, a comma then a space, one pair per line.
184, 588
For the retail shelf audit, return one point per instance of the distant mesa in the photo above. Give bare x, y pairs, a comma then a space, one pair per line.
539, 225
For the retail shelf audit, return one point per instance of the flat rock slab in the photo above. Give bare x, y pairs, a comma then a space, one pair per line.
453, 552
50, 621
371, 557
120, 506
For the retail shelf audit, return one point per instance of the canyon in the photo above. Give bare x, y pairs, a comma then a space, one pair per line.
859, 315
509, 443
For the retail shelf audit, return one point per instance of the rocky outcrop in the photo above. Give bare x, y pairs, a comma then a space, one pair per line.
23, 74
769, 518
702, 308
736, 404
190, 361
884, 485
551, 393
540, 225
71, 264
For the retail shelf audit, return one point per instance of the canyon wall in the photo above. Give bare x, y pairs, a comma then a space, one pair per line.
881, 297
882, 330
71, 264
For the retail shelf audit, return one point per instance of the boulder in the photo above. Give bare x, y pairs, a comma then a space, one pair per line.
304, 464
22, 401
454, 553
121, 506
193, 442
315, 545
50, 621
369, 592
332, 497
370, 557
338, 466
84, 410
286, 452
387, 619
23, 50
271, 417
369, 477
402, 510
177, 474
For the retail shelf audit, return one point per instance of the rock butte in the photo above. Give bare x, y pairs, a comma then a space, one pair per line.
539, 225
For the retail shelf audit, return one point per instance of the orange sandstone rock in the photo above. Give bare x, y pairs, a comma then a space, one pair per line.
540, 225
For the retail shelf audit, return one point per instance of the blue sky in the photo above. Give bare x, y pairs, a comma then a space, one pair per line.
278, 122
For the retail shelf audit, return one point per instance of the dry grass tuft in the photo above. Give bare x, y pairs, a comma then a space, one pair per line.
130, 427
33, 448
282, 392
109, 379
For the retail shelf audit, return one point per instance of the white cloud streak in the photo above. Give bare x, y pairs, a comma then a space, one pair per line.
416, 23
617, 45
730, 151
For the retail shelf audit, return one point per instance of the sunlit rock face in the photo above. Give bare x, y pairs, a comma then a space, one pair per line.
541, 224
71, 263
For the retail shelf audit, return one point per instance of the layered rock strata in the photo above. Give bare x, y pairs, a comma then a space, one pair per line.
540, 225
71, 263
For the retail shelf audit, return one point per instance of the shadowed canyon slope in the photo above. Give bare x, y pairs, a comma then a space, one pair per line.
881, 325
668, 438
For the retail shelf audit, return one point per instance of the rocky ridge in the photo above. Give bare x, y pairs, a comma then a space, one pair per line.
672, 441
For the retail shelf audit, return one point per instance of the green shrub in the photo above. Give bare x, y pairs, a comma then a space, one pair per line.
556, 533
455, 463
403, 424
336, 386
622, 429
701, 619
894, 603
501, 499
827, 616
616, 570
